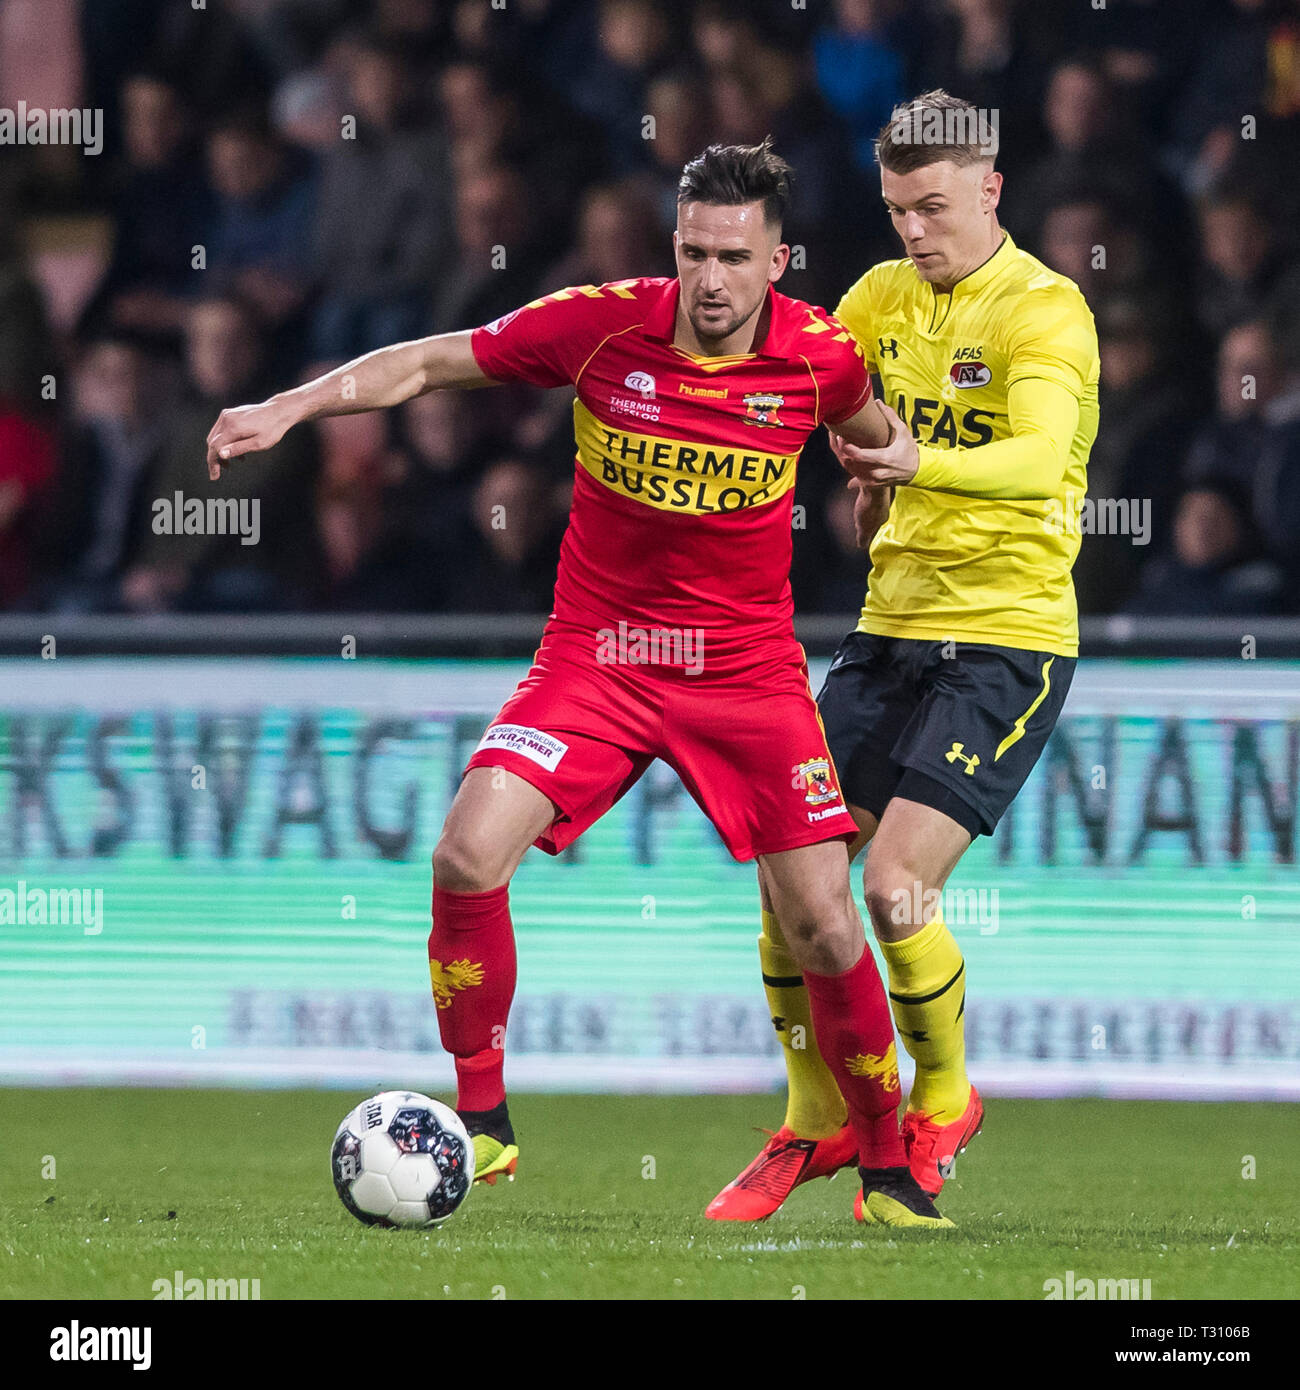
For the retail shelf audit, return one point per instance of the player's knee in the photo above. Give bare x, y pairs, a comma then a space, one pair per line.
463, 865
889, 889
821, 933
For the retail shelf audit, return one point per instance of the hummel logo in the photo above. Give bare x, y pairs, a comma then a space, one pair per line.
956, 755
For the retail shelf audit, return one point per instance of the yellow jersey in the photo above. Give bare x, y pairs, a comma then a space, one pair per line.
997, 381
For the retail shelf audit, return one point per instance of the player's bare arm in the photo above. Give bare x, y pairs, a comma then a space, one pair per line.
870, 511
877, 463
382, 378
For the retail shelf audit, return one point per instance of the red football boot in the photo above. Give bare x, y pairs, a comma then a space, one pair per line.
933, 1148
782, 1164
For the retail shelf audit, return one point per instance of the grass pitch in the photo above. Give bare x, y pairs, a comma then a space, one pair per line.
609, 1202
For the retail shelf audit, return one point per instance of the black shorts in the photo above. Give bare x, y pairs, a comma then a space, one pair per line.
953, 725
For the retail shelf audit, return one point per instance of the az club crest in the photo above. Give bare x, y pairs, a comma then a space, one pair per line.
817, 782
761, 408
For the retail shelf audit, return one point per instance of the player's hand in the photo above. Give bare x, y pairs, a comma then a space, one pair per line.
246, 429
870, 510
891, 466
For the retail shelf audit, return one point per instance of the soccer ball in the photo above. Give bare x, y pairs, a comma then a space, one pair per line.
402, 1159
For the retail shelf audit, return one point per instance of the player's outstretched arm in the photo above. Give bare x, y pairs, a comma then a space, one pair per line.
382, 378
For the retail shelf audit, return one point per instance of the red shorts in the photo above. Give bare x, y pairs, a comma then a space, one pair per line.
750, 749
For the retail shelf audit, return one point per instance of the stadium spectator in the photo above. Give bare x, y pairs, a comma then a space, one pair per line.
1242, 259
678, 102
1248, 380
1217, 568
834, 577
1229, 76
260, 242
217, 572
1149, 401
444, 439
1098, 245
980, 49
28, 460
860, 71
160, 207
384, 220
618, 237
27, 348
1253, 441
98, 515
496, 261
357, 467
509, 563
1094, 141
633, 41
497, 117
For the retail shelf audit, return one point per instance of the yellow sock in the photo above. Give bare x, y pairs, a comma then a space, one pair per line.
814, 1107
927, 992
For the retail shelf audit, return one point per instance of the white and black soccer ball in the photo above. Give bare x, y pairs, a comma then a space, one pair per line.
402, 1159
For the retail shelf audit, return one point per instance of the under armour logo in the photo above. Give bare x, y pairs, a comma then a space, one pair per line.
888, 347
956, 755
778, 1023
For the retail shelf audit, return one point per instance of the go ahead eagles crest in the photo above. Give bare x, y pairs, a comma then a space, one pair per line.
814, 778
761, 408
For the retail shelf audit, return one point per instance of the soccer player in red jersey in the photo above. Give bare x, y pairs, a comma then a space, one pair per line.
672, 632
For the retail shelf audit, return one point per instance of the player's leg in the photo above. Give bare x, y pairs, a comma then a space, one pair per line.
563, 749
864, 704
912, 855
815, 1139
768, 785
862, 707
982, 723
815, 1108
850, 1015
493, 819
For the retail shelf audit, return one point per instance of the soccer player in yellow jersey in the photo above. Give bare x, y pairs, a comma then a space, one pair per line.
937, 707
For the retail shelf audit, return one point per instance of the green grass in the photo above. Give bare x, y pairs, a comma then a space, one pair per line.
231, 1184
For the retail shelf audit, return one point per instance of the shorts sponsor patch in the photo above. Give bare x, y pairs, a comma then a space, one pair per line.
543, 749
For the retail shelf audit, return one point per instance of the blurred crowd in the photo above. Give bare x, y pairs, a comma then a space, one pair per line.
286, 184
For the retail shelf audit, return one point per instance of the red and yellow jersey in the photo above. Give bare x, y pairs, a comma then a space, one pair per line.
685, 465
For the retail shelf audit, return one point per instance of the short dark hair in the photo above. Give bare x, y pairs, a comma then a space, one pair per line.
907, 140
728, 175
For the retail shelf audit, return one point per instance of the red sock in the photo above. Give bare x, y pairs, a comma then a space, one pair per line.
472, 966
855, 1033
